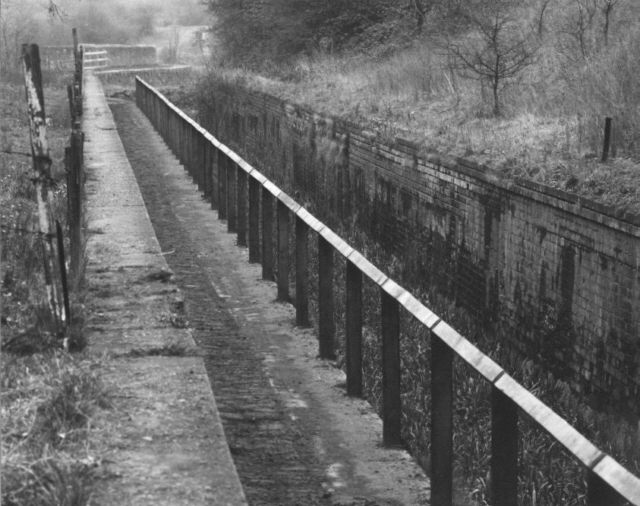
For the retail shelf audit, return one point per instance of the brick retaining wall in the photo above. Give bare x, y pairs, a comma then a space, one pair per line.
558, 273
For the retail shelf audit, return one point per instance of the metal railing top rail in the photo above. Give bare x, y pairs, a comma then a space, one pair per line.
583, 450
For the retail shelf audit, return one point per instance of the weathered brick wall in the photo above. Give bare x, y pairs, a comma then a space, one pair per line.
557, 273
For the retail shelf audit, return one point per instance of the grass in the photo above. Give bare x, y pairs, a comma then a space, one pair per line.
49, 398
551, 131
48, 403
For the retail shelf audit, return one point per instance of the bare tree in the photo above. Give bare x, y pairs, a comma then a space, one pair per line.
606, 8
544, 5
496, 50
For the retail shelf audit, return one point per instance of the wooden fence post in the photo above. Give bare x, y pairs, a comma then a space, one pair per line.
241, 199
63, 274
391, 403
326, 324
232, 201
267, 235
441, 422
283, 252
74, 196
254, 220
302, 274
600, 493
42, 169
354, 330
607, 139
504, 450
222, 186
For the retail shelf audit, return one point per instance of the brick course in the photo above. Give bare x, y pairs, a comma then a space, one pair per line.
558, 271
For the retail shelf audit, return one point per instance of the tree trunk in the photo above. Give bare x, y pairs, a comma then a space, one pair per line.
496, 98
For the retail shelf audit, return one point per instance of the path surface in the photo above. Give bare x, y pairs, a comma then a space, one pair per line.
295, 437
164, 440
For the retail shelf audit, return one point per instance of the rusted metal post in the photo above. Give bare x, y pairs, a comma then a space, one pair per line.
607, 139
441, 423
504, 450
242, 206
302, 274
42, 167
283, 252
232, 194
600, 493
267, 235
254, 220
354, 330
222, 186
391, 404
326, 324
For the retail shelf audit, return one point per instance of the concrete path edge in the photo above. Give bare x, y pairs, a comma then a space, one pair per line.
168, 446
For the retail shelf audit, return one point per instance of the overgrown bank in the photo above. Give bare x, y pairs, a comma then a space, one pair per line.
49, 397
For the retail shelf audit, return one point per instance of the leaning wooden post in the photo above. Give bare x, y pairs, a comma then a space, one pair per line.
391, 403
74, 193
326, 324
42, 167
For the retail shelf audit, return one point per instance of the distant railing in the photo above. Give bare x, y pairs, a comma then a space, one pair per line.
96, 59
245, 198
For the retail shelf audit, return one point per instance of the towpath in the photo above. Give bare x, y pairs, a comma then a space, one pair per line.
294, 435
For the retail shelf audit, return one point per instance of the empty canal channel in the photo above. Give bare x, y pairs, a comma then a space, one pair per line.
296, 438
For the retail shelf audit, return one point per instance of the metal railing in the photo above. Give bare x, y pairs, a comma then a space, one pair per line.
245, 198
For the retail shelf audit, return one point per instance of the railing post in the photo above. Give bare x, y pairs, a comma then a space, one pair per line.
599, 493
391, 404
326, 325
504, 450
232, 209
213, 176
354, 330
267, 235
302, 274
441, 422
202, 147
206, 156
241, 199
222, 186
254, 220
283, 252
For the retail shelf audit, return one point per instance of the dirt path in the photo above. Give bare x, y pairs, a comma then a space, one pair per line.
295, 437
